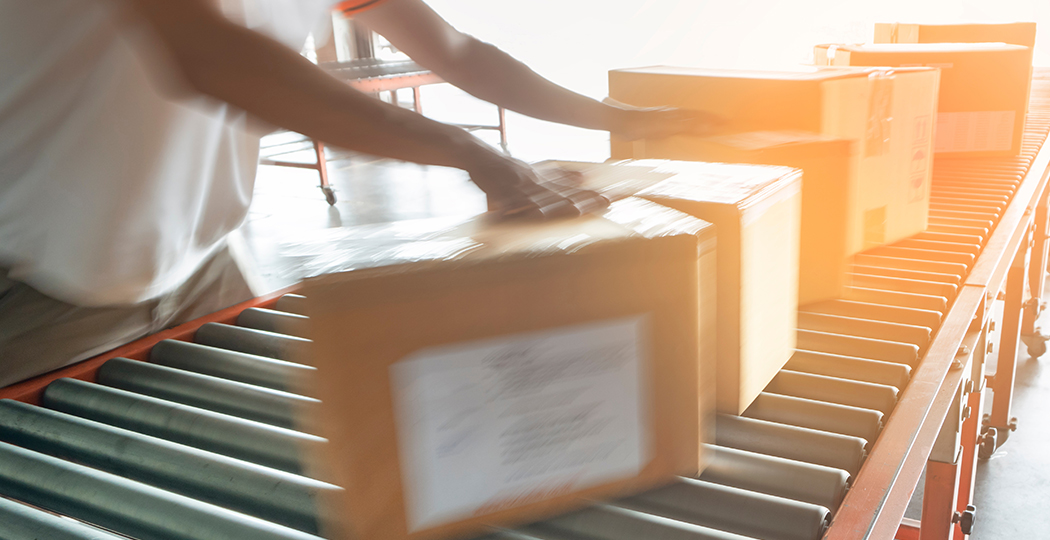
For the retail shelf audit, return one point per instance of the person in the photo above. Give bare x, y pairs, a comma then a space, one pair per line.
129, 134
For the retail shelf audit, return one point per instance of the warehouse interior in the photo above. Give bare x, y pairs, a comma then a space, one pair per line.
792, 318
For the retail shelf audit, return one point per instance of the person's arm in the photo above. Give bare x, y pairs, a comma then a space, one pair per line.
492, 75
248, 70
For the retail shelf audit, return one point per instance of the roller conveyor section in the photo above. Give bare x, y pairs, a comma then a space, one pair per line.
953, 279
290, 303
220, 433
860, 394
850, 367
789, 479
21, 522
255, 490
897, 298
877, 312
876, 349
204, 391
605, 522
907, 263
232, 365
819, 415
123, 505
867, 328
272, 320
791, 442
734, 510
795, 450
251, 341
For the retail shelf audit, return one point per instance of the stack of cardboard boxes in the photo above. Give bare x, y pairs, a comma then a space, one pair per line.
477, 374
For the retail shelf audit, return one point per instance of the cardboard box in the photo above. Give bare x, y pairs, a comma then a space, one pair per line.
756, 211
832, 206
889, 113
1017, 33
504, 372
984, 89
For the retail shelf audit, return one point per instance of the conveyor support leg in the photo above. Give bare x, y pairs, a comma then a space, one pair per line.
1002, 382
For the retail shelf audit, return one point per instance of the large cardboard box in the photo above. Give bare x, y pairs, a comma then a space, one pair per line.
476, 374
1017, 33
756, 211
832, 204
889, 113
983, 92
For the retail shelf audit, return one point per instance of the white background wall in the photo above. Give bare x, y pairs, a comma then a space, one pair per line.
576, 42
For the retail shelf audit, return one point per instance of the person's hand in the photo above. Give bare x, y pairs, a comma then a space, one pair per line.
660, 122
516, 190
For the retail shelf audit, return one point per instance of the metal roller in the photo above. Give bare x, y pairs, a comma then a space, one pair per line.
251, 341
954, 279
888, 331
932, 288
271, 320
904, 263
605, 522
232, 365
896, 298
21, 522
255, 490
876, 349
734, 510
861, 394
787, 478
850, 367
291, 303
948, 237
821, 415
790, 442
204, 391
877, 312
220, 433
125, 506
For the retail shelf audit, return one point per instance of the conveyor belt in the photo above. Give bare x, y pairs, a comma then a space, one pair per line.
201, 442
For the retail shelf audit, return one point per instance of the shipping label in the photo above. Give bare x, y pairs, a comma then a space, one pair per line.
497, 423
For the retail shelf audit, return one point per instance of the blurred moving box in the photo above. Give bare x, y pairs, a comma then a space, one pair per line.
889, 113
479, 374
756, 211
984, 89
833, 198
1017, 33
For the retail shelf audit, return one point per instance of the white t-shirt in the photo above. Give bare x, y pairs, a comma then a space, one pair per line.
111, 190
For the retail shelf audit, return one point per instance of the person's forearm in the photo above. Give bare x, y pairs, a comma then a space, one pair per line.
275, 84
490, 74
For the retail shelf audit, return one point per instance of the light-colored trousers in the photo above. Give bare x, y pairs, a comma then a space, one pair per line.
39, 334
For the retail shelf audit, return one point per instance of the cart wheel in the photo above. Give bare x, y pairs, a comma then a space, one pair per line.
329, 195
1037, 348
1036, 344
988, 443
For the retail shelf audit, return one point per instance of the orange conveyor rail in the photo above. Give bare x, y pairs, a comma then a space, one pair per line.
194, 437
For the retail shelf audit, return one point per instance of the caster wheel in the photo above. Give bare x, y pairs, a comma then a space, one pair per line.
1036, 348
988, 443
329, 195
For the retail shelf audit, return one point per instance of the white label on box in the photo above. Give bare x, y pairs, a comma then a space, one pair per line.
981, 131
495, 423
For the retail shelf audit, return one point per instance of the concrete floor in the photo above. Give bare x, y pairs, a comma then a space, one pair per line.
289, 211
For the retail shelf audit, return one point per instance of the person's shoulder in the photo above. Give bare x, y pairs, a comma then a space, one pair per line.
352, 7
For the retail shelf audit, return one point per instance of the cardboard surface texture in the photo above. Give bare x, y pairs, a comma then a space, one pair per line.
984, 89
513, 371
756, 211
832, 206
1016, 33
888, 113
